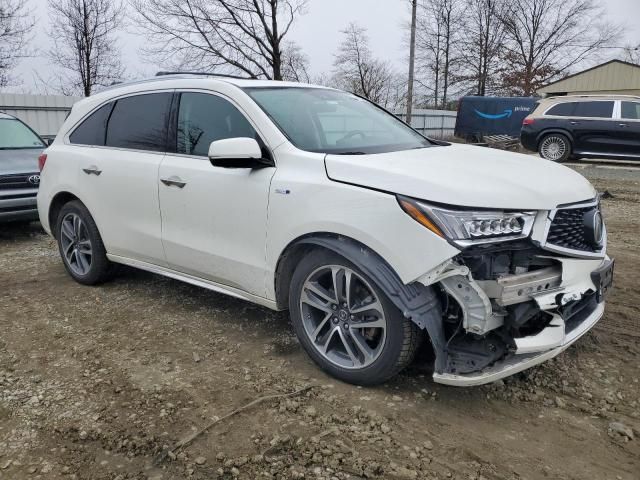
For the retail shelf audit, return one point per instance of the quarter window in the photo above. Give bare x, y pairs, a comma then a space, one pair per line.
562, 109
204, 118
631, 110
594, 109
140, 122
93, 130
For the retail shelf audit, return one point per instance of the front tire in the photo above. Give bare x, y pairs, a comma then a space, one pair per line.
346, 323
80, 245
555, 147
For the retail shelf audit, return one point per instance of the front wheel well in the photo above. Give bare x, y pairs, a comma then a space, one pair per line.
417, 302
287, 264
59, 201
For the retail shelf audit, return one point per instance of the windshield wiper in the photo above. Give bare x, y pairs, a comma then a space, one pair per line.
351, 153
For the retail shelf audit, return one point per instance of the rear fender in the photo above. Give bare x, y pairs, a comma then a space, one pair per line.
561, 131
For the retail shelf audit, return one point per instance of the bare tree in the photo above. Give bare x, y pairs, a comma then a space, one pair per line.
84, 43
482, 42
545, 38
358, 71
242, 36
439, 26
632, 54
295, 64
15, 25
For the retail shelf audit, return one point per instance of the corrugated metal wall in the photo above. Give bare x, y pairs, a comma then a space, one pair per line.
610, 77
44, 113
432, 123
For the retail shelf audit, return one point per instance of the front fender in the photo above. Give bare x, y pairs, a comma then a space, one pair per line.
417, 302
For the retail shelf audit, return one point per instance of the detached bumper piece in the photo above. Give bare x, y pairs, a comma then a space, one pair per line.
553, 340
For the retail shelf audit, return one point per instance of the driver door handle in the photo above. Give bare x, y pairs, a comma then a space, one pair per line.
92, 170
173, 181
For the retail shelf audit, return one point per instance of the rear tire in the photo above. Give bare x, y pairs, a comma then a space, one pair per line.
555, 147
80, 245
330, 325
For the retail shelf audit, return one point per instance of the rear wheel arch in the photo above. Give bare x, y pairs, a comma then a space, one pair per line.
59, 200
549, 131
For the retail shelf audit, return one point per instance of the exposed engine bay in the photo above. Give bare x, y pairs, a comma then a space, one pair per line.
505, 299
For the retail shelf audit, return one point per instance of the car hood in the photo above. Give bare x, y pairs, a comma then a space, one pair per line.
19, 161
465, 175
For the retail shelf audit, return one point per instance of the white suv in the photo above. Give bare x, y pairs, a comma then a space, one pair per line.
314, 200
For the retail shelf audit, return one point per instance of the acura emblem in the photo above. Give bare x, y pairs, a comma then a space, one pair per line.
34, 179
594, 227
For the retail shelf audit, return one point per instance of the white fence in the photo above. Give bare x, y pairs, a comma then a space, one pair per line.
43, 113
432, 123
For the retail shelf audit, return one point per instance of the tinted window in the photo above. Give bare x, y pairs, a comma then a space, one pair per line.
92, 131
594, 109
631, 110
15, 134
562, 109
140, 122
204, 118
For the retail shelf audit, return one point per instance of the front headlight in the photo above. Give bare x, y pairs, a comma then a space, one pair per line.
469, 227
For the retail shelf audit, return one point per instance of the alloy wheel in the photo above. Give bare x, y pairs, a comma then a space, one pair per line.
76, 245
553, 148
343, 317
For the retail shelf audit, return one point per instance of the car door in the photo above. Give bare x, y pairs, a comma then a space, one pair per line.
119, 173
628, 126
213, 218
593, 126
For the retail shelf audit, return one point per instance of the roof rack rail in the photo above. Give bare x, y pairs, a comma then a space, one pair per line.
204, 74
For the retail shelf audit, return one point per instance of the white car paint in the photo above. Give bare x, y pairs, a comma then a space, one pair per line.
227, 229
500, 179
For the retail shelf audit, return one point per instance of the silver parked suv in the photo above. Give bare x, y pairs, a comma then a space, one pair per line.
20, 148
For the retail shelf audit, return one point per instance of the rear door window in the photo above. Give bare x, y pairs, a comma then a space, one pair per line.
631, 110
140, 122
205, 118
93, 129
562, 109
594, 109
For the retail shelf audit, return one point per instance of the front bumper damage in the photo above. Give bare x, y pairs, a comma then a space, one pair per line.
530, 351
568, 296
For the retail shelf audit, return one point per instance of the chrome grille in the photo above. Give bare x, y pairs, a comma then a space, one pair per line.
20, 180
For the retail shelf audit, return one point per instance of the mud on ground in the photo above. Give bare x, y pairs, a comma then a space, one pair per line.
95, 382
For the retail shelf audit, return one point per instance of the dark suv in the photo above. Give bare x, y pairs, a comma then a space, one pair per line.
20, 148
562, 128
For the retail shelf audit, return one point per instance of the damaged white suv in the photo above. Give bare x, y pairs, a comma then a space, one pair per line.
314, 200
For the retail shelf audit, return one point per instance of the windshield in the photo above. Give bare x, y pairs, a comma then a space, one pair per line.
15, 134
331, 121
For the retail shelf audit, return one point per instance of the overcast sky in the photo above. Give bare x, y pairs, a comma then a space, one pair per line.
317, 32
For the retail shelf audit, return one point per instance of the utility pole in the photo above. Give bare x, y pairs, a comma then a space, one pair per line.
412, 59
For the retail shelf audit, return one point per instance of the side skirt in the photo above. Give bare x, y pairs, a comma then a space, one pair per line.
198, 282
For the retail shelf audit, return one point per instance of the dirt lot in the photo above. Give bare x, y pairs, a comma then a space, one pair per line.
95, 382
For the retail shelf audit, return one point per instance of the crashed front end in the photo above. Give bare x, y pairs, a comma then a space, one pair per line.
525, 286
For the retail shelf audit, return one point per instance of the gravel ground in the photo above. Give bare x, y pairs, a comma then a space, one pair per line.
96, 383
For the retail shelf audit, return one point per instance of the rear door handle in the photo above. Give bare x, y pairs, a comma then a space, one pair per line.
173, 182
574, 123
623, 124
92, 170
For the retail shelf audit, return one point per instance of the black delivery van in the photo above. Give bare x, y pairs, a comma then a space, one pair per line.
482, 116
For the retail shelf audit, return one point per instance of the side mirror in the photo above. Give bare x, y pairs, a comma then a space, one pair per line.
240, 152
